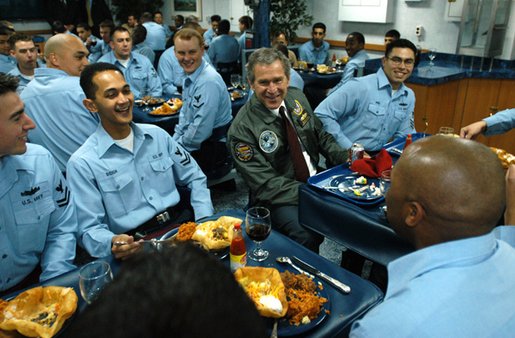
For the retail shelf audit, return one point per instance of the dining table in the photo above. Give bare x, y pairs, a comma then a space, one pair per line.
321, 80
143, 113
338, 314
357, 224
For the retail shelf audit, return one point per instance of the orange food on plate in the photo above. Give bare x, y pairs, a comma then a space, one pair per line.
175, 103
40, 311
185, 231
304, 304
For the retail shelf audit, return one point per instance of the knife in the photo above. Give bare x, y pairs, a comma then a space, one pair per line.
334, 282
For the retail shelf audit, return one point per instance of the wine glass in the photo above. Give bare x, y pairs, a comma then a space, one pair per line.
431, 55
385, 181
258, 227
235, 80
93, 277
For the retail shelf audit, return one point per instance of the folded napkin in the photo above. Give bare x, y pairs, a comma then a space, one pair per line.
374, 166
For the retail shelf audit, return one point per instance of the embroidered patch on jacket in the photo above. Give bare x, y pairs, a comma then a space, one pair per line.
268, 141
243, 152
298, 108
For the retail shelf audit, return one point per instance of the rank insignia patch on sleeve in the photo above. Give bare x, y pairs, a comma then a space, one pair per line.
243, 152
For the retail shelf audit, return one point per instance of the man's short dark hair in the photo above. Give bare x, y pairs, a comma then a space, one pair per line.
358, 36
58, 27
401, 43
85, 26
146, 17
180, 18
8, 83
178, 292
318, 25
107, 24
139, 34
224, 27
216, 18
4, 30
86, 77
158, 12
393, 33
119, 29
18, 37
246, 21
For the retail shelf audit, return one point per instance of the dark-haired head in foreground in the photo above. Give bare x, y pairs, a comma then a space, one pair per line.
179, 292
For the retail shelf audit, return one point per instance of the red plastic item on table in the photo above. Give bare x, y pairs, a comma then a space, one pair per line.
409, 140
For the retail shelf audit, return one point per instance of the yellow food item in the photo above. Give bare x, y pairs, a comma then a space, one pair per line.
214, 235
266, 289
40, 311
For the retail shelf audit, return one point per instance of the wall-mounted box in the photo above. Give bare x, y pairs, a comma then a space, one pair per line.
380, 11
453, 10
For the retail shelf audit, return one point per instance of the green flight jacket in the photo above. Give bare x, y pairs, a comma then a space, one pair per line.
258, 143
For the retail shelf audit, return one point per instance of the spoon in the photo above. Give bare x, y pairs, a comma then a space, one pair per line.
287, 260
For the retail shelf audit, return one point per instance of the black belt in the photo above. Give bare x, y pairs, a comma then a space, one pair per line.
155, 223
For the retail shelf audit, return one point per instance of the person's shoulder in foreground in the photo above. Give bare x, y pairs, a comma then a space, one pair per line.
190, 294
459, 268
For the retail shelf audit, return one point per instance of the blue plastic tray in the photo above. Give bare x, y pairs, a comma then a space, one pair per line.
324, 178
395, 147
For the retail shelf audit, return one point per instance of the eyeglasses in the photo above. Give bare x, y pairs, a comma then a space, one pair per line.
397, 61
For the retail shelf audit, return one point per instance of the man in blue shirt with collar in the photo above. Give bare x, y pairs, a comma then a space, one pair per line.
136, 68
7, 62
92, 43
437, 202
156, 35
25, 52
171, 73
53, 99
224, 48
373, 109
206, 112
355, 47
316, 50
106, 28
245, 24
125, 176
38, 219
212, 32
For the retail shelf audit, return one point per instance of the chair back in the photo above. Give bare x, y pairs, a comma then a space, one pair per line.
226, 69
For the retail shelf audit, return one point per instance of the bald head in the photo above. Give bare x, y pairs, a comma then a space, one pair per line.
457, 184
66, 52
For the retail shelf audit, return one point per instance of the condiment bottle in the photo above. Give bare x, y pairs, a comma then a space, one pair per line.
238, 251
334, 60
408, 141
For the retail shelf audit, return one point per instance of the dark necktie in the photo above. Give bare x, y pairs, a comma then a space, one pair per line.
299, 162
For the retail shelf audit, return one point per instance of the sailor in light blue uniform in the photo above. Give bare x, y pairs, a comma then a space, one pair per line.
53, 99
355, 63
137, 69
206, 106
122, 183
39, 219
171, 73
224, 48
38, 222
373, 109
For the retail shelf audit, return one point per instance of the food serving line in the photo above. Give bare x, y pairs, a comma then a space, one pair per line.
343, 308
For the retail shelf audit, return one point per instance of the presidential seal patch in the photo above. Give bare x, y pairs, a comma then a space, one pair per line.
243, 152
268, 141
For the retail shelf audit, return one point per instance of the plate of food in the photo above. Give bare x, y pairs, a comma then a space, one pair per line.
38, 312
150, 101
236, 94
324, 69
505, 157
297, 302
170, 107
214, 236
359, 188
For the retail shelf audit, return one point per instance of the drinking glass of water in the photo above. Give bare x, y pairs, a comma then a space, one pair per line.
93, 278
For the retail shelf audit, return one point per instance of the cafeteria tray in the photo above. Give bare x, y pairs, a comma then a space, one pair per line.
324, 178
396, 146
